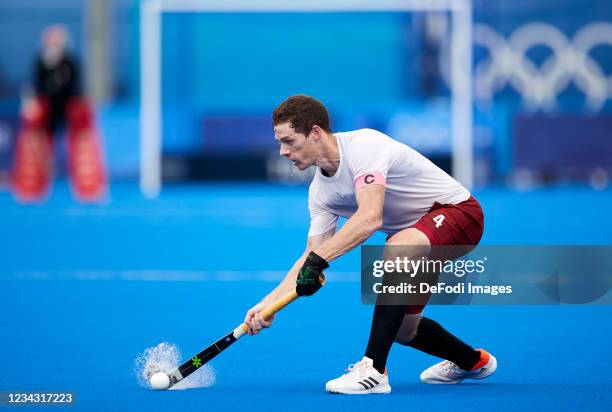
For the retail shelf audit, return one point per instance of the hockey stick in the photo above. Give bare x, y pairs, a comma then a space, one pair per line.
225, 342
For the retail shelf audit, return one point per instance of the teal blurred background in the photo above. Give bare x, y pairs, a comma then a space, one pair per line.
223, 73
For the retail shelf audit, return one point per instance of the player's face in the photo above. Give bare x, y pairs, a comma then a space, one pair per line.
296, 147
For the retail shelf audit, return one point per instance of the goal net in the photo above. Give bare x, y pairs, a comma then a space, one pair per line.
193, 62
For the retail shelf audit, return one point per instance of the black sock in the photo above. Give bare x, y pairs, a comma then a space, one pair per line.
433, 339
385, 324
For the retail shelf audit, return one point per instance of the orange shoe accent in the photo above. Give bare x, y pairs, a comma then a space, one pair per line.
385, 371
484, 359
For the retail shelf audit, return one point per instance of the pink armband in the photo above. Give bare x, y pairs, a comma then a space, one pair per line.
371, 178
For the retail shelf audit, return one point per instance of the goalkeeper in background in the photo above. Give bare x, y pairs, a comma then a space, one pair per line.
58, 102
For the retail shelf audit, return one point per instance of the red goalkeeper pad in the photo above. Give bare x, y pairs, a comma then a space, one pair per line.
32, 165
85, 157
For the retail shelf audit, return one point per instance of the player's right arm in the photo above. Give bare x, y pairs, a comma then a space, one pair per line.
253, 317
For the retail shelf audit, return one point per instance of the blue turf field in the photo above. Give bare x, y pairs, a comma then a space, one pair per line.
84, 289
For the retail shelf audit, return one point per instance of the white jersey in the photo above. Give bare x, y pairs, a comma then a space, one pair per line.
413, 182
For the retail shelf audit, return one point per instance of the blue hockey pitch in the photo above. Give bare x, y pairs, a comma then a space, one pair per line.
85, 289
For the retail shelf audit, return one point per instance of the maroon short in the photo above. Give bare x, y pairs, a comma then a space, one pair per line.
451, 225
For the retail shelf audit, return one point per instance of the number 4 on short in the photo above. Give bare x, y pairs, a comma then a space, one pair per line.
438, 219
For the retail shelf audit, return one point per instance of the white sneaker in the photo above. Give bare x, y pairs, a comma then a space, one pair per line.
449, 373
360, 379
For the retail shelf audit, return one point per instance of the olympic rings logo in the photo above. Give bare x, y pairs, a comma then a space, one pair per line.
507, 63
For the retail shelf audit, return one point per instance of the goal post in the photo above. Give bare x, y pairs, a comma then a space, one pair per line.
150, 67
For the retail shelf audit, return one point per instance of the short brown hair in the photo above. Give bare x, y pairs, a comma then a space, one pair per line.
302, 112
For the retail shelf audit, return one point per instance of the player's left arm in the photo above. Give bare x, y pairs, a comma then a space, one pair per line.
372, 157
358, 228
366, 220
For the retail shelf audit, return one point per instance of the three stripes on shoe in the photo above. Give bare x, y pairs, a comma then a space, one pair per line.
368, 383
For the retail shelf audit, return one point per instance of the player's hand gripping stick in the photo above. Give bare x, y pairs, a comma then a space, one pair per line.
310, 278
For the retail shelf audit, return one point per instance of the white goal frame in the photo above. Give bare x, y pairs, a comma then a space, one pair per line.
150, 67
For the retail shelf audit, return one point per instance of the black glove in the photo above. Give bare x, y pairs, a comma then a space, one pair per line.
310, 277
